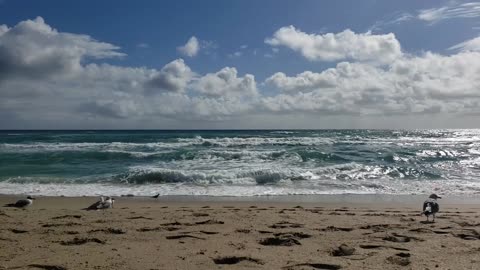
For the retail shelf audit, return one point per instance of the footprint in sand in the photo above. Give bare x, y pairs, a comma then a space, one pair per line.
109, 231
180, 236
235, 260
305, 266
284, 239
467, 234
401, 258
81, 241
280, 241
334, 229
395, 237
285, 224
67, 216
200, 214
47, 267
343, 250
373, 246
18, 231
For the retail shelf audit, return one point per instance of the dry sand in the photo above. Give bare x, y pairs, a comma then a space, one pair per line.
146, 233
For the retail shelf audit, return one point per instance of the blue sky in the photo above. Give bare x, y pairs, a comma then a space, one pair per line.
233, 34
164, 25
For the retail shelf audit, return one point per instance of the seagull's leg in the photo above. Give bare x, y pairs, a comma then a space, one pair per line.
433, 217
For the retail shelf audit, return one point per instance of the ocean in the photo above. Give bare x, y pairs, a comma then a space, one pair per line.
239, 162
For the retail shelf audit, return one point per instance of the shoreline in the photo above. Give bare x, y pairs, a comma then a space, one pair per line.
306, 199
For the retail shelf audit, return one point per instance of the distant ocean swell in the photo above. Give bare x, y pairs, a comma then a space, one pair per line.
240, 163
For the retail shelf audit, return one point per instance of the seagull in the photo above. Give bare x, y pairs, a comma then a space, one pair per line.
431, 207
22, 203
108, 203
156, 196
101, 204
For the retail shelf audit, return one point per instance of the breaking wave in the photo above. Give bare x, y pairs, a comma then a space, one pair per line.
242, 163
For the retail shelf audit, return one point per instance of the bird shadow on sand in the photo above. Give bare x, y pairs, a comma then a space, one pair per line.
427, 222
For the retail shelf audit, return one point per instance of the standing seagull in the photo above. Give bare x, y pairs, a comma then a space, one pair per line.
108, 203
21, 203
431, 207
102, 204
156, 196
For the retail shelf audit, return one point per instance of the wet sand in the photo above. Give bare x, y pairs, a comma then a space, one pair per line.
145, 233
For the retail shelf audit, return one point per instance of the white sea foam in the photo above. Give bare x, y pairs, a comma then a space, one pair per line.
268, 163
397, 187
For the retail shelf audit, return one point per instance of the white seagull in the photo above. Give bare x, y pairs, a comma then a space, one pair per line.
102, 204
431, 207
22, 203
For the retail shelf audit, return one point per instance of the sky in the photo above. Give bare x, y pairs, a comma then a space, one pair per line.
268, 64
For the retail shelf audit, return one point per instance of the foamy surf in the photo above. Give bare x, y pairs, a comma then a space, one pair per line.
240, 163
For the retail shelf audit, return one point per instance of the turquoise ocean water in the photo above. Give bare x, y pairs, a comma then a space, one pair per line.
240, 163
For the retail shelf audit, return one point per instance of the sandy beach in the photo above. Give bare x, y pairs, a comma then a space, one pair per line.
145, 233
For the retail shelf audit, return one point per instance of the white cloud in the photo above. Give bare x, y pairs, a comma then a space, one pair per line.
339, 46
50, 80
469, 45
391, 19
226, 83
173, 77
191, 48
32, 49
235, 54
410, 85
121, 108
304, 81
3, 29
451, 11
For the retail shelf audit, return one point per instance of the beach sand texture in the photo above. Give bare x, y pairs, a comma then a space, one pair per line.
152, 234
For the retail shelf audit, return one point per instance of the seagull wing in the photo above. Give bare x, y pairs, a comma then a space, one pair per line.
435, 207
93, 206
425, 204
22, 203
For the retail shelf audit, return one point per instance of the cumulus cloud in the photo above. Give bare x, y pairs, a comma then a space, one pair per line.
190, 48
173, 77
122, 108
304, 81
34, 49
422, 84
226, 83
450, 11
34, 84
53, 82
339, 46
469, 45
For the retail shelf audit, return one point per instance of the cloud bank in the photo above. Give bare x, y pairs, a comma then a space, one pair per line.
51, 79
